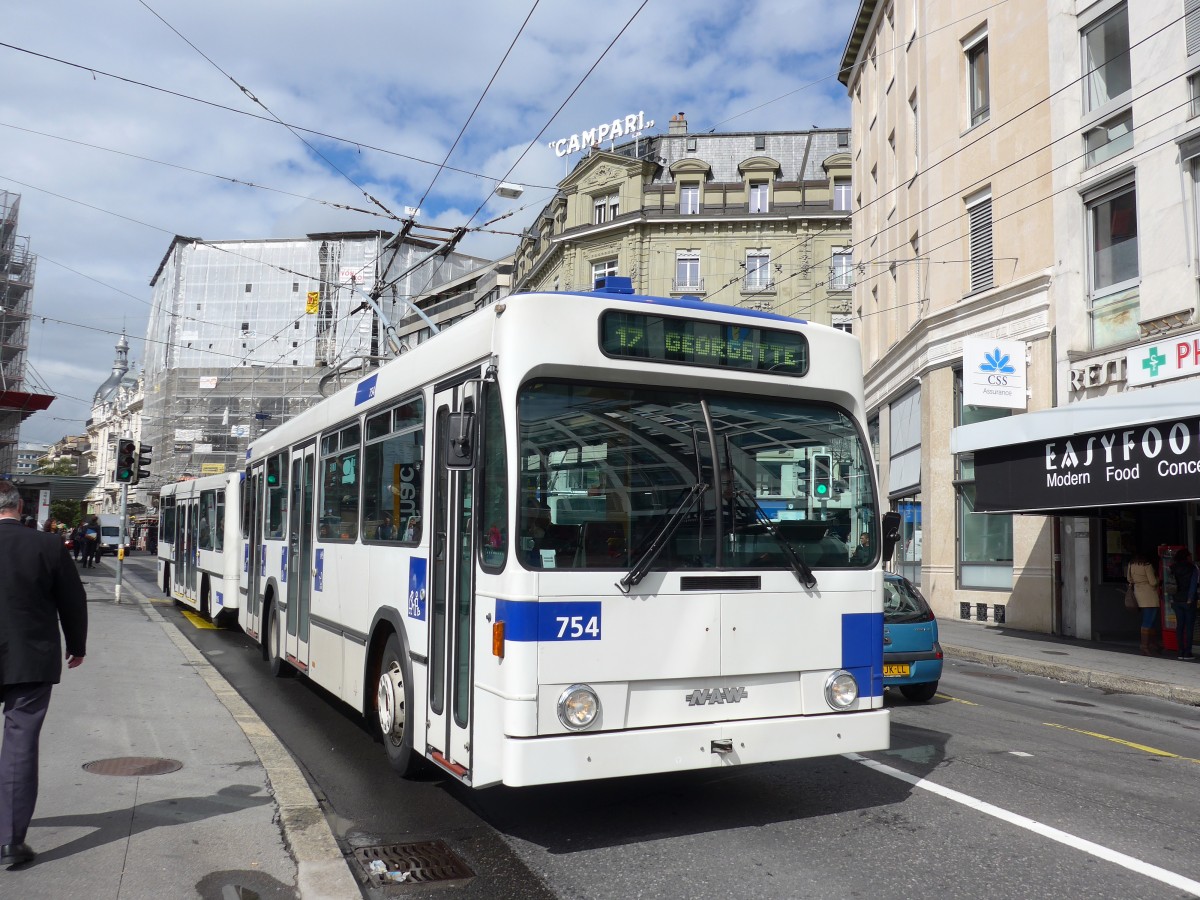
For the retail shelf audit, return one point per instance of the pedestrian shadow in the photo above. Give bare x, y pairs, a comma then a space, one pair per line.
121, 824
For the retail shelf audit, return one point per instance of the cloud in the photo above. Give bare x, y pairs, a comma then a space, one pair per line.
394, 81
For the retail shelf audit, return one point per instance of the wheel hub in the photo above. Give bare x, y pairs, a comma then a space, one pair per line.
391, 710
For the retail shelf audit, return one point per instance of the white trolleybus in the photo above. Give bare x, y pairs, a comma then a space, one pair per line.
200, 548
583, 535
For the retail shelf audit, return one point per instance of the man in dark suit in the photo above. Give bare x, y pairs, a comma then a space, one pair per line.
39, 588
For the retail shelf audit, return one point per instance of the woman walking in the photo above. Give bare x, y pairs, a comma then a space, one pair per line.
1140, 573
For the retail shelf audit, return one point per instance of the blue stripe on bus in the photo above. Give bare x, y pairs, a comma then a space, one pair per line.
862, 651
532, 621
685, 303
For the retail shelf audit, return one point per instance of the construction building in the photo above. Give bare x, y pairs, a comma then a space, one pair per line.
243, 334
17, 266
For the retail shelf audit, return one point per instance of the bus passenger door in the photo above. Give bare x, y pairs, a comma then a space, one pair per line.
253, 557
452, 589
299, 563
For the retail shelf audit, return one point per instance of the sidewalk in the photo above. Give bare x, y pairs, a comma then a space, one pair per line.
1108, 666
235, 817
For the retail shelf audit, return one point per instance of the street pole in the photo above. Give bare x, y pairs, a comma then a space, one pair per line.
121, 544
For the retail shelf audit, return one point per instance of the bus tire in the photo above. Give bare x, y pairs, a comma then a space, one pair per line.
280, 667
393, 704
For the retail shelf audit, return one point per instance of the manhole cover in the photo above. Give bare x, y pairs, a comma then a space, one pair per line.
421, 863
133, 765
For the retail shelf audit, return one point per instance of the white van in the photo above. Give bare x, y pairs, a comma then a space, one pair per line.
110, 534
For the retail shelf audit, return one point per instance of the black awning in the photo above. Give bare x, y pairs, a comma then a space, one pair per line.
1074, 474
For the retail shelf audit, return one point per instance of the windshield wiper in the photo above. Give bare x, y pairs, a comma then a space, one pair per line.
799, 567
669, 527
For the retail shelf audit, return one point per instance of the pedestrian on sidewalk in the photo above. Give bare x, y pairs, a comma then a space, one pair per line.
39, 591
91, 542
1140, 573
1186, 576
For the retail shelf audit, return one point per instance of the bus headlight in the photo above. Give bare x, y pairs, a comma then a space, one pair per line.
841, 690
578, 707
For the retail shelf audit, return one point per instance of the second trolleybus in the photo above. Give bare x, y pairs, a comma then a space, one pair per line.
583, 535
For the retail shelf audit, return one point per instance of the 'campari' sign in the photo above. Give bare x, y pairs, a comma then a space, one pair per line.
629, 126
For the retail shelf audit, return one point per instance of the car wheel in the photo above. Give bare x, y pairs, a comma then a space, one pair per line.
393, 705
919, 693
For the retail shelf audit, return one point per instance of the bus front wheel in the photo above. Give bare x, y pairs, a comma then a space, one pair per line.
393, 700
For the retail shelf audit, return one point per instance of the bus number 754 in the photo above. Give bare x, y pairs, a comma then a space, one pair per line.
575, 627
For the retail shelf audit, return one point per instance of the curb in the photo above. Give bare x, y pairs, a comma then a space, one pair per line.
321, 869
1105, 681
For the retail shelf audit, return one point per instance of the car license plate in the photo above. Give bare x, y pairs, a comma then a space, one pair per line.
893, 670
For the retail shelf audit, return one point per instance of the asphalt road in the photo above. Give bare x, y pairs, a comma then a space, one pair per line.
1002, 786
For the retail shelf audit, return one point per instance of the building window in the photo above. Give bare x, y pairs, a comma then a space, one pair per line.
840, 273
687, 271
1115, 279
985, 540
843, 137
1106, 72
1194, 90
760, 142
689, 199
843, 322
1191, 26
979, 93
915, 133
759, 194
980, 214
841, 194
249, 287
758, 270
1109, 138
603, 268
691, 145
605, 209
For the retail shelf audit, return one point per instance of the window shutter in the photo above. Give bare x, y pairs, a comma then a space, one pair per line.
981, 245
1191, 24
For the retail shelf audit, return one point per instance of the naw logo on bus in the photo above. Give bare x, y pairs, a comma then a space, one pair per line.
708, 696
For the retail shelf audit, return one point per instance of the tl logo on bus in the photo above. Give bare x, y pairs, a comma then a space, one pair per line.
716, 695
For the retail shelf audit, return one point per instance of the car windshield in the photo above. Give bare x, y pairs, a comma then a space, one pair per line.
602, 467
902, 603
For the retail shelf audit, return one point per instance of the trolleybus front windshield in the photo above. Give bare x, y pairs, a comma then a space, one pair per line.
604, 466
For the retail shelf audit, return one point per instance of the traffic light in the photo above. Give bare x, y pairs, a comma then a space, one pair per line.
143, 459
126, 460
822, 476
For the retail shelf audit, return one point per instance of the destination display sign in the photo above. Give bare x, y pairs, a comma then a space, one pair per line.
1148, 463
694, 342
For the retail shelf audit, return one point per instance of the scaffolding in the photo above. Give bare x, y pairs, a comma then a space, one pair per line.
241, 332
17, 265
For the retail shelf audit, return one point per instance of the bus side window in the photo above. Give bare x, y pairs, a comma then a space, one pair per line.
392, 475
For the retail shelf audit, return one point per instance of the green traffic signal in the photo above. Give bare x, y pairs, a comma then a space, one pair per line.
126, 460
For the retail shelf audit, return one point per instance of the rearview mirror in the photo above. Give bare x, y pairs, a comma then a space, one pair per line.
891, 534
460, 444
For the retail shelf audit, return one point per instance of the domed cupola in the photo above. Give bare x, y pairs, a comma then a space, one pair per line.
112, 384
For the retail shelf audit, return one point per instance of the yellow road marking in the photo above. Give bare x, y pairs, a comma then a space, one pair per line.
955, 699
1153, 751
196, 620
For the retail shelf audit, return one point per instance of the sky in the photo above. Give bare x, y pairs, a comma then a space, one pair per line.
125, 123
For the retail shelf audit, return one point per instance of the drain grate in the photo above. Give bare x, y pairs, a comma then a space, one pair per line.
133, 765
421, 863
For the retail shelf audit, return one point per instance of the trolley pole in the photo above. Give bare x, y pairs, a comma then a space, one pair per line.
121, 544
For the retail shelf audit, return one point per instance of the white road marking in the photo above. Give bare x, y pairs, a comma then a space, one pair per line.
1019, 753
1172, 879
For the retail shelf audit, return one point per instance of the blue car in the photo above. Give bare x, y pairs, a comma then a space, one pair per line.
912, 656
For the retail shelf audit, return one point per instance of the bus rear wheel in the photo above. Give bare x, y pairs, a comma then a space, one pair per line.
393, 700
279, 666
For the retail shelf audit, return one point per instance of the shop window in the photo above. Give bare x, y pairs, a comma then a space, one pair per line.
985, 540
908, 552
